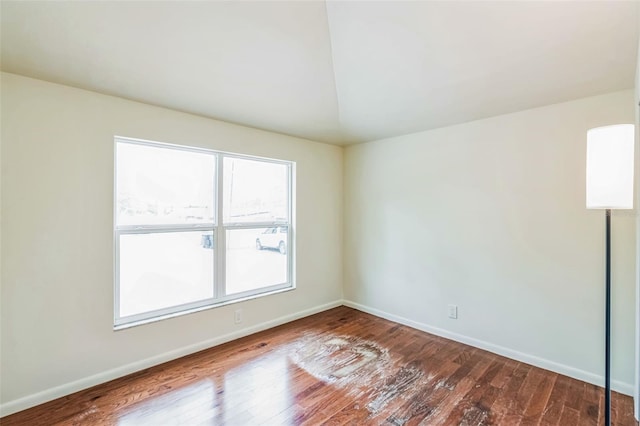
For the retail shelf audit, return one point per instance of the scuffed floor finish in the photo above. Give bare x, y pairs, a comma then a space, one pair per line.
338, 367
346, 361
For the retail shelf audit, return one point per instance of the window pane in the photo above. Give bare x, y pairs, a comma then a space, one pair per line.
163, 186
255, 191
256, 258
164, 269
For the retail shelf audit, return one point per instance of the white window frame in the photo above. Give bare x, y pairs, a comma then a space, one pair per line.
219, 229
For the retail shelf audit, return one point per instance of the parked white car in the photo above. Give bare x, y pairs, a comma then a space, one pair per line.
273, 238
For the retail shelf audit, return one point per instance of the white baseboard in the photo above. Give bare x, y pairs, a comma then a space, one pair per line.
618, 386
87, 382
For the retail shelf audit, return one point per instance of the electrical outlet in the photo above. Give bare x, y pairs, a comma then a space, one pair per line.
453, 311
237, 317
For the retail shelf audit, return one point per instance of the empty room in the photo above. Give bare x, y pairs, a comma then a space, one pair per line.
319, 212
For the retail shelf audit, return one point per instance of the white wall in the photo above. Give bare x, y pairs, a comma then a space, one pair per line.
57, 237
490, 216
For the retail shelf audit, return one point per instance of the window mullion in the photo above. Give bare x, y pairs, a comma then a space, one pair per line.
255, 225
220, 260
153, 229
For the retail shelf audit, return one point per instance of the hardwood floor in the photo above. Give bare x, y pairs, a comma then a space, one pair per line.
337, 367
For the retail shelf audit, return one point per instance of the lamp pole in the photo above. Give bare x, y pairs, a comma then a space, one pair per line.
610, 172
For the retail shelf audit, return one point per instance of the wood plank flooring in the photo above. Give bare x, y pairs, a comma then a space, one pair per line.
337, 367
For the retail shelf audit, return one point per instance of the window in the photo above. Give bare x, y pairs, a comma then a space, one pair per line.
196, 228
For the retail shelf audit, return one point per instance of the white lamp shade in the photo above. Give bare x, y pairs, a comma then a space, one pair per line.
610, 167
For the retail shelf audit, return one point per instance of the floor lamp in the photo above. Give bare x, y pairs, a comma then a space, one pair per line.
609, 186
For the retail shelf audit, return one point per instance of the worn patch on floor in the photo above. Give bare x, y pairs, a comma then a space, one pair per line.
363, 368
341, 360
400, 384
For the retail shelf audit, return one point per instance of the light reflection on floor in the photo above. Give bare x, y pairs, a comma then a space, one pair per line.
259, 389
256, 391
182, 403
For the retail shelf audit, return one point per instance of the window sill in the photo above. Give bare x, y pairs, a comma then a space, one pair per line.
200, 308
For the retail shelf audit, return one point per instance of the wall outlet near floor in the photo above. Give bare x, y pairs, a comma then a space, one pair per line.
453, 311
237, 316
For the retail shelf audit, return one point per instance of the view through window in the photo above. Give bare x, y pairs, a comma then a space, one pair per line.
196, 228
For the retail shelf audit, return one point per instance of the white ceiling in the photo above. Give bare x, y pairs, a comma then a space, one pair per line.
339, 72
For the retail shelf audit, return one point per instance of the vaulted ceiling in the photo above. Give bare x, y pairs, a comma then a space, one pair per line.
337, 71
